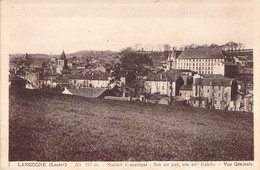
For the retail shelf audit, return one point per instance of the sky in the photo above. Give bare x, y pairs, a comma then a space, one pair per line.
51, 26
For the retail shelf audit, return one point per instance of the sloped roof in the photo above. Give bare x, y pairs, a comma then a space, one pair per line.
88, 92
241, 58
228, 63
170, 75
62, 80
16, 78
204, 53
96, 75
63, 56
212, 75
214, 81
77, 76
186, 87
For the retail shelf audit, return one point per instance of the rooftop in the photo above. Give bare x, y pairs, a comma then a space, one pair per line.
214, 81
63, 56
186, 87
89, 92
205, 53
94, 75
170, 75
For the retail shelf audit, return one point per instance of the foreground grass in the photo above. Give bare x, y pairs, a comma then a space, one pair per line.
50, 127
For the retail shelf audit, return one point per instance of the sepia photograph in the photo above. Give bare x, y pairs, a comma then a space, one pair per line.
130, 81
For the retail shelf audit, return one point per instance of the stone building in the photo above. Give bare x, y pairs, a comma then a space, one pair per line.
163, 83
199, 60
213, 92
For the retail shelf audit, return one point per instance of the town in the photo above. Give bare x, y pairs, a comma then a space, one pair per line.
208, 76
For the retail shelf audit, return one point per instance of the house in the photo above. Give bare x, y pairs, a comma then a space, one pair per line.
94, 79
96, 67
17, 82
88, 92
186, 92
227, 69
48, 80
241, 60
90, 79
81, 66
213, 92
167, 83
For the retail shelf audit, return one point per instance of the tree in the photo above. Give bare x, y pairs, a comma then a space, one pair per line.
214, 46
167, 49
115, 75
127, 49
135, 66
191, 46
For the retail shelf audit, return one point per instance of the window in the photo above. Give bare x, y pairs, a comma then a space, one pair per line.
219, 95
163, 87
215, 101
207, 90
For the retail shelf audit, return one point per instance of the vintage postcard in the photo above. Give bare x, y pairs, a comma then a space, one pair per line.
129, 84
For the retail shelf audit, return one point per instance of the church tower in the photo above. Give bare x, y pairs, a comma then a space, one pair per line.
62, 63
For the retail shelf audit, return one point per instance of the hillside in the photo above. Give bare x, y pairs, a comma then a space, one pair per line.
51, 127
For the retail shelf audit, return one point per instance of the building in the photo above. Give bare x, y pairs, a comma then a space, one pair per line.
173, 55
165, 83
199, 60
17, 82
240, 60
186, 92
213, 92
227, 69
62, 63
48, 80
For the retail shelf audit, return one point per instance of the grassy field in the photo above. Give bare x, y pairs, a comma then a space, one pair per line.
51, 127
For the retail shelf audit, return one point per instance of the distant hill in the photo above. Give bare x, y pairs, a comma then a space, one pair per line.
110, 57
69, 55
